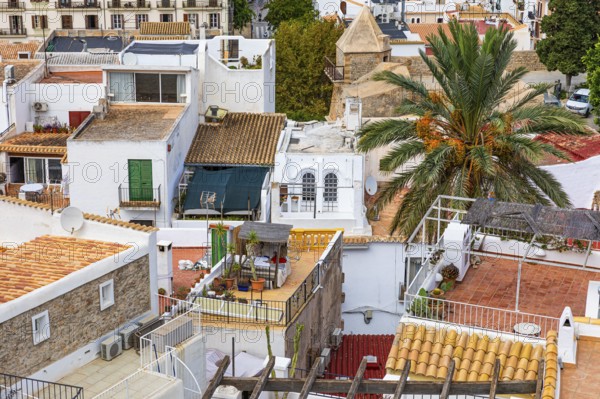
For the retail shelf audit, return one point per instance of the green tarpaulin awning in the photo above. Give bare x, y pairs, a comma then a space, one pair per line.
237, 189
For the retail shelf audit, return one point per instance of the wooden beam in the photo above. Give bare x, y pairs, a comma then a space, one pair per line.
262, 380
495, 378
312, 376
357, 378
402, 381
539, 386
384, 387
448, 382
216, 380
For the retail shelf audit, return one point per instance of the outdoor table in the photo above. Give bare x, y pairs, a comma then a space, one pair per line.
32, 188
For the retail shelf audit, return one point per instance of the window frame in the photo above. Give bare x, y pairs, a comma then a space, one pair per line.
44, 334
309, 193
106, 303
330, 192
139, 18
117, 21
182, 96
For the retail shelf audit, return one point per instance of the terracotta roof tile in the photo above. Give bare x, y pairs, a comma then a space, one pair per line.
10, 51
425, 30
22, 67
165, 28
475, 355
37, 143
166, 37
240, 139
47, 259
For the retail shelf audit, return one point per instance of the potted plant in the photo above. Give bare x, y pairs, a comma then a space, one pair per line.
450, 274
437, 293
252, 242
228, 279
217, 281
228, 296
205, 291
229, 274
161, 291
243, 284
236, 269
218, 289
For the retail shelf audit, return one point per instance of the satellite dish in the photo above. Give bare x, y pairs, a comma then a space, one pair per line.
129, 59
71, 219
371, 185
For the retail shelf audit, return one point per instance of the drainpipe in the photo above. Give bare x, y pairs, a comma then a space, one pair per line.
5, 98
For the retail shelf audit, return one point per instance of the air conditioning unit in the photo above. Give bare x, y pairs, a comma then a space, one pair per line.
127, 335
336, 337
151, 318
111, 347
173, 333
40, 107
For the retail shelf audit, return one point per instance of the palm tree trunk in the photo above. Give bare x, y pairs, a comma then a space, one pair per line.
568, 83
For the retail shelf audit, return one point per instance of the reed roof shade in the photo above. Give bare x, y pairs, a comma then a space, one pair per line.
266, 232
537, 219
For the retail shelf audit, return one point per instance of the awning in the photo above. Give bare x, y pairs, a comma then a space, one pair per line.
235, 190
266, 232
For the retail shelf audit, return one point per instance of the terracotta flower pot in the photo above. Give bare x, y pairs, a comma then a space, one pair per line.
229, 283
217, 281
258, 285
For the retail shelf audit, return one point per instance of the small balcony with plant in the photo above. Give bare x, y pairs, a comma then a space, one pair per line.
131, 197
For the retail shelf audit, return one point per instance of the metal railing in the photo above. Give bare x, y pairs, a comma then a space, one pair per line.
139, 197
334, 72
77, 4
165, 4
483, 317
55, 200
201, 4
128, 4
12, 386
12, 5
185, 324
13, 32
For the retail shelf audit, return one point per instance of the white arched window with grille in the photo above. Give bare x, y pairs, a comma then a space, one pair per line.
308, 191
330, 192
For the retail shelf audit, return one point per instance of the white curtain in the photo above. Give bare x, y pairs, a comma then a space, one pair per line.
122, 86
180, 88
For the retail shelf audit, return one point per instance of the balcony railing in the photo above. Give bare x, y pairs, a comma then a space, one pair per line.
12, 386
334, 72
77, 4
139, 197
13, 32
129, 4
201, 4
165, 4
12, 5
477, 316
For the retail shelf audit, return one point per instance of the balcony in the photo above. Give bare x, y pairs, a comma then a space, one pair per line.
129, 5
13, 32
50, 195
165, 4
12, 6
201, 4
335, 73
139, 198
12, 386
76, 4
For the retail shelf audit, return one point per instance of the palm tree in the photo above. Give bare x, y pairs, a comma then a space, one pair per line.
472, 140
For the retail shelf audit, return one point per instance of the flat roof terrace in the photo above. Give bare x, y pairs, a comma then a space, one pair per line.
136, 122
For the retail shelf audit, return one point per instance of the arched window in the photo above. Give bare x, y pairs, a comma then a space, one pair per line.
331, 193
308, 186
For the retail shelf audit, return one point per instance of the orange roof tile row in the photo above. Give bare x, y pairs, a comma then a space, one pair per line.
37, 143
357, 240
165, 28
87, 216
428, 352
10, 51
46, 260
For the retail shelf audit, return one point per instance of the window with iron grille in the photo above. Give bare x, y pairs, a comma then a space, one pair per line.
308, 186
331, 182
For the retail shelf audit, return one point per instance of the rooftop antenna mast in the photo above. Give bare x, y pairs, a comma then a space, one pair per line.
207, 201
403, 14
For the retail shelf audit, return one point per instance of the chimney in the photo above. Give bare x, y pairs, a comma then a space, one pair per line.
353, 113
214, 110
9, 72
84, 46
164, 265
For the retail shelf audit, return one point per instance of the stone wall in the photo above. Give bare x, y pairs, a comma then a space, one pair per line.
357, 65
321, 314
75, 320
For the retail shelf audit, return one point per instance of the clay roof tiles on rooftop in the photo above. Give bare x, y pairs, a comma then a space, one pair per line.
10, 51
46, 260
37, 143
240, 139
165, 28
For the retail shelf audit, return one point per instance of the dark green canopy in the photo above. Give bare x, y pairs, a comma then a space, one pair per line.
237, 189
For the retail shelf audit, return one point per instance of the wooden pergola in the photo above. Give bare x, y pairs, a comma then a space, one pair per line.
357, 385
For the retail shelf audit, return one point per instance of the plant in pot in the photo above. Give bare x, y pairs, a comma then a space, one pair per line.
450, 274
161, 291
228, 296
243, 284
218, 289
205, 291
228, 273
437, 293
252, 243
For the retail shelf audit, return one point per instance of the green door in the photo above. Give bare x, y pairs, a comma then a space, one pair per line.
140, 180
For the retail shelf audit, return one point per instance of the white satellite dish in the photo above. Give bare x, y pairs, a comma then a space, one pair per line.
71, 219
129, 59
371, 185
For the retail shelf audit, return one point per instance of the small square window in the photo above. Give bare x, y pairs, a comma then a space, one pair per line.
107, 294
40, 326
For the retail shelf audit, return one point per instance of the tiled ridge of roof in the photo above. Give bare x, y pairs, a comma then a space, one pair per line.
87, 216
47, 259
37, 143
165, 28
428, 352
165, 37
357, 240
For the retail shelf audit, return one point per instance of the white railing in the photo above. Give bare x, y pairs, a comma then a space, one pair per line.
185, 324
482, 317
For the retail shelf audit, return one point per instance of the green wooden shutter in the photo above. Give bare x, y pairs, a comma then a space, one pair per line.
140, 180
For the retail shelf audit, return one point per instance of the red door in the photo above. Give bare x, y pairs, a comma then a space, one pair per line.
76, 117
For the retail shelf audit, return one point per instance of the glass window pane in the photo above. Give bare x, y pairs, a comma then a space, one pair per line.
34, 170
147, 87
54, 171
168, 86
122, 86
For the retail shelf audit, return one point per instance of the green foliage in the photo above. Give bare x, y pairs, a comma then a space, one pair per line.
280, 11
571, 29
447, 286
472, 136
592, 63
302, 91
242, 13
420, 305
